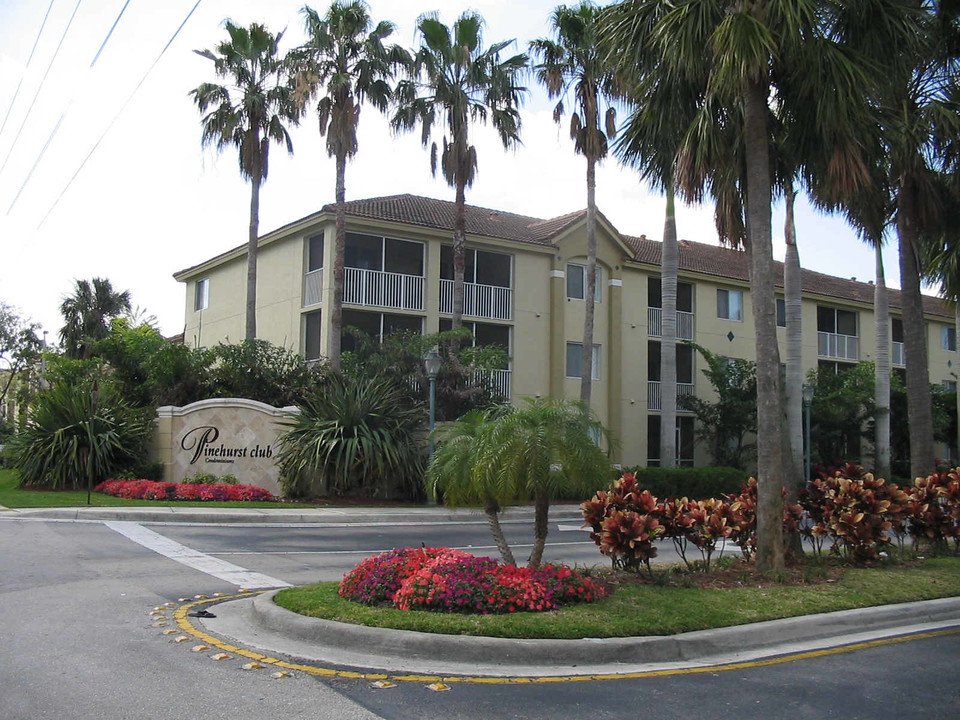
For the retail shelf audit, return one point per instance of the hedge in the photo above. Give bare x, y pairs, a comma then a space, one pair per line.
695, 483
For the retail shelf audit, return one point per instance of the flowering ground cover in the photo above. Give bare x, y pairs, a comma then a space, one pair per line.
151, 490
452, 581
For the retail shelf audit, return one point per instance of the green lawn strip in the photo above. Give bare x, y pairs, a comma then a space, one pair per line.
637, 610
13, 497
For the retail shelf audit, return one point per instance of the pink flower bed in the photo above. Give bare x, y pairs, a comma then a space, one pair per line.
150, 490
446, 580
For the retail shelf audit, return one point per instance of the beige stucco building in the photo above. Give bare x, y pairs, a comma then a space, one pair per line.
525, 288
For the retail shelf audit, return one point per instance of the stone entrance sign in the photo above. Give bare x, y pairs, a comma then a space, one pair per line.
229, 436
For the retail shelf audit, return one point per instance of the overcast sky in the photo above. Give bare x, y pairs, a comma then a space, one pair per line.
150, 201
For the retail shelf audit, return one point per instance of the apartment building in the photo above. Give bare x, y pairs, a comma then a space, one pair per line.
525, 286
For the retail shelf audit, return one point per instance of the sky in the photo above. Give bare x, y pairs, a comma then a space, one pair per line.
102, 172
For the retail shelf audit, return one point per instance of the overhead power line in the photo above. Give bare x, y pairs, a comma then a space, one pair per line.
66, 109
26, 67
117, 115
40, 87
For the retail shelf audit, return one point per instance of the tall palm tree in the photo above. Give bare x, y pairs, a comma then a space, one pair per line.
464, 470
881, 314
248, 112
573, 62
87, 313
544, 448
345, 62
454, 76
739, 55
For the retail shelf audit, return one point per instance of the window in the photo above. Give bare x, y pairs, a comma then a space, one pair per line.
201, 300
685, 440
896, 330
950, 385
315, 253
484, 334
948, 338
376, 325
479, 266
781, 313
574, 358
730, 304
577, 282
311, 335
684, 362
840, 322
684, 295
369, 252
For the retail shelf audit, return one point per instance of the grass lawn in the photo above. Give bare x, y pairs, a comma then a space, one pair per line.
13, 497
636, 610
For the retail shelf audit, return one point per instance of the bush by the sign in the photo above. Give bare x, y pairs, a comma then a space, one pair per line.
150, 490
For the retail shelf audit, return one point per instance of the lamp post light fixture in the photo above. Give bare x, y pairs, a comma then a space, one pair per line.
807, 391
432, 362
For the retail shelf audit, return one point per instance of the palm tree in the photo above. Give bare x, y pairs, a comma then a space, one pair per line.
738, 56
87, 313
345, 59
573, 62
249, 112
881, 314
547, 447
454, 76
464, 468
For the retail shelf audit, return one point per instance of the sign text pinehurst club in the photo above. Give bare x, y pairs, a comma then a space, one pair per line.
202, 442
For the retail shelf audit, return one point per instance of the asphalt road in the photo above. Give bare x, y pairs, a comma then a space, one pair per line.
77, 641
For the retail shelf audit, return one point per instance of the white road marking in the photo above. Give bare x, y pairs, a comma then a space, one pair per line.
569, 528
234, 574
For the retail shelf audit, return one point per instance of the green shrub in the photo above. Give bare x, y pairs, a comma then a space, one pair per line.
699, 483
142, 470
202, 478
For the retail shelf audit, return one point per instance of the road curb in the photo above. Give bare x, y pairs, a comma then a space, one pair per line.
388, 648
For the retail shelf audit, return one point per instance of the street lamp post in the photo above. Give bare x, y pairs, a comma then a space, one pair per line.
432, 363
807, 402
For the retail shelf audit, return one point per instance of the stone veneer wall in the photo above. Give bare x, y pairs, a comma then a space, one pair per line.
224, 436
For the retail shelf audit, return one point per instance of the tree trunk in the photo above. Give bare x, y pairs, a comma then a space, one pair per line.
793, 472
589, 304
492, 509
669, 261
956, 460
881, 314
919, 405
250, 332
459, 253
769, 416
541, 509
340, 242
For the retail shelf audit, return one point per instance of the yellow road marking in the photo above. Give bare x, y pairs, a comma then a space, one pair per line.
180, 615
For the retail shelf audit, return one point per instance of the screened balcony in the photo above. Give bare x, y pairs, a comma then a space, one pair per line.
655, 309
837, 337
487, 288
685, 369
655, 396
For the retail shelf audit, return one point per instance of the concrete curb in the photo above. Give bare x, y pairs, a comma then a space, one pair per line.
258, 516
387, 648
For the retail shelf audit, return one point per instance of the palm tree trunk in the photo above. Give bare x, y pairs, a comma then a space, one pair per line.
793, 479
769, 416
336, 307
459, 253
589, 305
492, 509
669, 262
956, 461
881, 314
919, 410
541, 511
250, 331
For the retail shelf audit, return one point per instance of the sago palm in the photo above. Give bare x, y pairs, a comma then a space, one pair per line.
457, 81
573, 63
248, 112
345, 63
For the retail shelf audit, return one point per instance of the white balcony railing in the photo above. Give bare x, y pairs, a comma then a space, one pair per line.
499, 381
655, 323
837, 346
479, 301
896, 356
312, 287
382, 289
654, 395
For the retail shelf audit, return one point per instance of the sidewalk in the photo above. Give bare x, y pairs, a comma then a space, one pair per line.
292, 516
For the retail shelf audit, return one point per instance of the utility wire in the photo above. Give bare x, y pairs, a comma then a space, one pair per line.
66, 109
26, 67
119, 112
40, 87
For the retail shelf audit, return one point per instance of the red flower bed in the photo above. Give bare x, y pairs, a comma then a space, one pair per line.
445, 580
150, 490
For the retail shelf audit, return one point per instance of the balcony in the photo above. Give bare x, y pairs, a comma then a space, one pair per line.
490, 302
838, 347
655, 323
654, 400
312, 287
896, 356
377, 288
499, 381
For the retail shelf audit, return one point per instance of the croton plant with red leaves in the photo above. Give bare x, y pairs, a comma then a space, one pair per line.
152, 490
